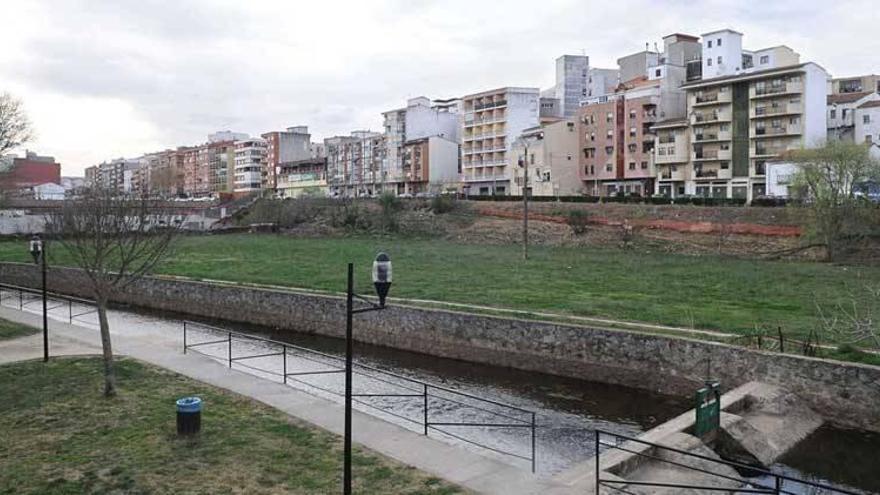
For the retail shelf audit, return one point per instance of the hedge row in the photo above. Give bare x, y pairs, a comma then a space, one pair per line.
651, 200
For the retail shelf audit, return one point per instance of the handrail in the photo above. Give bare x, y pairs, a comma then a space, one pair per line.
422, 391
778, 478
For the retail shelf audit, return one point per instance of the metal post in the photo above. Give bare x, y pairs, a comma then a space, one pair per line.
425, 406
184, 336
69, 311
534, 457
778, 488
526, 204
349, 302
20, 299
284, 350
45, 307
597, 462
230, 349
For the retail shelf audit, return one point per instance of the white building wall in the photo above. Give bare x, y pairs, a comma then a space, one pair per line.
730, 52
522, 112
779, 176
815, 105
442, 162
424, 121
868, 128
571, 82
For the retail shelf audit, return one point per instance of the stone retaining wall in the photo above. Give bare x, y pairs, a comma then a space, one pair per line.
847, 394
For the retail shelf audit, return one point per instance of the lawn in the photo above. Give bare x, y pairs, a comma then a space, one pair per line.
11, 330
61, 436
702, 292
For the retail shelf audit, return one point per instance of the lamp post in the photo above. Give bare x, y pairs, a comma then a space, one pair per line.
382, 282
524, 140
38, 250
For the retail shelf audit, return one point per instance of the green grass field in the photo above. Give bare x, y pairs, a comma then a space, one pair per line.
703, 292
11, 330
60, 435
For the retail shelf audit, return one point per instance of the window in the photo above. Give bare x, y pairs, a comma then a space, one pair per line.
723, 128
609, 134
719, 60
833, 113
765, 59
794, 120
868, 139
866, 119
631, 148
718, 42
725, 146
632, 131
760, 167
609, 117
843, 113
632, 165
609, 150
657, 73
710, 44
709, 62
644, 165
608, 167
592, 136
725, 165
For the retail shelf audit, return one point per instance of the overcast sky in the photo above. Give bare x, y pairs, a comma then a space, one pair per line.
121, 78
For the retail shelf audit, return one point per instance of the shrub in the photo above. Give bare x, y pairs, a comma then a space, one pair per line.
578, 220
391, 205
442, 204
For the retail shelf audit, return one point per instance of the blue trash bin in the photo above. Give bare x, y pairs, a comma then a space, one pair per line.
189, 415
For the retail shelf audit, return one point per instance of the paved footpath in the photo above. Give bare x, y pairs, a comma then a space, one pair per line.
450, 462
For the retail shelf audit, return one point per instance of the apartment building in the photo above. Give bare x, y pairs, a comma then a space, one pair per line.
856, 84
552, 158
303, 178
671, 157
867, 129
421, 118
166, 173
842, 114
616, 130
748, 108
355, 164
250, 158
491, 121
430, 165
293, 144
29, 171
572, 72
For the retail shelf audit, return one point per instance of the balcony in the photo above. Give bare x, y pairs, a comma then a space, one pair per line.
707, 155
770, 111
708, 118
764, 151
666, 139
706, 136
491, 104
789, 130
708, 99
769, 90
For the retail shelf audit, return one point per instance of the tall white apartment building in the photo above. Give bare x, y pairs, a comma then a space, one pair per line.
748, 108
491, 122
355, 164
250, 158
421, 118
572, 73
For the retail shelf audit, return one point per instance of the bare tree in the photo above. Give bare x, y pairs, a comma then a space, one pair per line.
851, 319
115, 240
827, 180
15, 127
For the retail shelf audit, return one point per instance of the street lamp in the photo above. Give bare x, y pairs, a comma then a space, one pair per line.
38, 251
382, 283
524, 141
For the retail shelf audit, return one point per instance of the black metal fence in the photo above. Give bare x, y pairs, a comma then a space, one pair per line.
22, 298
434, 401
756, 481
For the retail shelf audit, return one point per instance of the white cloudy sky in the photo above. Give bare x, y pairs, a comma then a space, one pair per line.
103, 79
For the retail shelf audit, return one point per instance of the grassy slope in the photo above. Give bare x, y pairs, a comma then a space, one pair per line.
61, 436
11, 330
705, 292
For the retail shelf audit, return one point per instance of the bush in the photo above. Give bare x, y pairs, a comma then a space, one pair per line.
578, 220
347, 214
391, 205
442, 204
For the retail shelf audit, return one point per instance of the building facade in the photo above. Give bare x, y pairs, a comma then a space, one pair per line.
303, 178
430, 165
291, 145
749, 108
355, 164
491, 121
250, 158
572, 72
671, 157
855, 84
29, 171
552, 158
842, 109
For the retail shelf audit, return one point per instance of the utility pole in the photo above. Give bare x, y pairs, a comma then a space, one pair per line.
526, 201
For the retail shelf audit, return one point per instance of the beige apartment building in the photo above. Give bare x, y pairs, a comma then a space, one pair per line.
491, 121
553, 160
671, 157
754, 107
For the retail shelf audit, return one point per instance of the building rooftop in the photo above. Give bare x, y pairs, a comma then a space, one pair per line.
747, 75
725, 30
870, 104
839, 98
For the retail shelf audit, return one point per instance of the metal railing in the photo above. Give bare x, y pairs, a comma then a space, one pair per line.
653, 453
434, 399
25, 296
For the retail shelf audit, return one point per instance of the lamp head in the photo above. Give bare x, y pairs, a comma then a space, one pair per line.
382, 276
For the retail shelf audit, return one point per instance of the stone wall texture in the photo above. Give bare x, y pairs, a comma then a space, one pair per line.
846, 394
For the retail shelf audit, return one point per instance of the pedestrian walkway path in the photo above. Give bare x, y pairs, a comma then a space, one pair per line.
450, 462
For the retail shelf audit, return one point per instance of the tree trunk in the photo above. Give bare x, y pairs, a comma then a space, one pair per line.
109, 372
